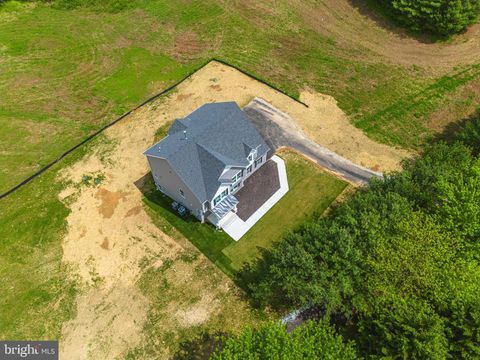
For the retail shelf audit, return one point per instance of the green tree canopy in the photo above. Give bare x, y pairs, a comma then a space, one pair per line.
442, 17
397, 264
308, 341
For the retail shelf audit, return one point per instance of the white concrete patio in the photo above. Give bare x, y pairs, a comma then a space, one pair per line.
236, 227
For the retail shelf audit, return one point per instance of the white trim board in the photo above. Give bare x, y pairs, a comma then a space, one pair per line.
236, 227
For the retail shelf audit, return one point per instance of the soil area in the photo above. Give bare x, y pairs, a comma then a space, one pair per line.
110, 235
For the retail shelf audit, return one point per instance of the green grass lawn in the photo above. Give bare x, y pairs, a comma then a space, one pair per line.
311, 191
66, 70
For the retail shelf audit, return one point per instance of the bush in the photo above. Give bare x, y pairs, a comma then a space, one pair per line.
308, 341
443, 17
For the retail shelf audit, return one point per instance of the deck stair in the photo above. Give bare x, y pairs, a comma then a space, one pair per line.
225, 206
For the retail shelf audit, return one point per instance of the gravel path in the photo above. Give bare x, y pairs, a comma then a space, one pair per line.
279, 130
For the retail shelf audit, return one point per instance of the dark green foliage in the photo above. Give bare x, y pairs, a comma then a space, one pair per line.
308, 341
398, 262
443, 17
469, 134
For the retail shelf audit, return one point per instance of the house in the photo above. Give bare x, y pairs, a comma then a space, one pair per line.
206, 158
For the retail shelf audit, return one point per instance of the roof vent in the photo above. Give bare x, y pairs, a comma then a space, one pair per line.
185, 134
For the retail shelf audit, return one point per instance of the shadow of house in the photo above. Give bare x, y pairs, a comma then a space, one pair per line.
145, 183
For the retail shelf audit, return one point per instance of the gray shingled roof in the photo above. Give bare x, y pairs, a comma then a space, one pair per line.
201, 145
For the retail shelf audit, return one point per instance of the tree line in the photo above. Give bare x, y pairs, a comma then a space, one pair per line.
394, 269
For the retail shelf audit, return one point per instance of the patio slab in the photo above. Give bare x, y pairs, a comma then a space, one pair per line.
257, 189
236, 227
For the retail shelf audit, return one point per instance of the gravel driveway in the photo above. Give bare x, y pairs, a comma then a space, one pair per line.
279, 130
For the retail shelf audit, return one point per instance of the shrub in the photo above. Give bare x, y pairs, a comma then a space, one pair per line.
443, 17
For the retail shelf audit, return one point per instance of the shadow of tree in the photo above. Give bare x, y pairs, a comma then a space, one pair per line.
466, 130
383, 17
200, 347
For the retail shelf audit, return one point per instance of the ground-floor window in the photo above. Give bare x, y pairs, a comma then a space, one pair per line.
236, 186
258, 161
220, 197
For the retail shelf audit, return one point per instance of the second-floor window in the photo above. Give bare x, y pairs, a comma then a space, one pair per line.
238, 176
258, 161
181, 192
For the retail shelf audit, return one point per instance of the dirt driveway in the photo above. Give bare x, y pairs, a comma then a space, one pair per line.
111, 240
280, 130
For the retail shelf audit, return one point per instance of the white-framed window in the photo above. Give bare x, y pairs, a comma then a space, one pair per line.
258, 161
220, 197
249, 169
238, 176
181, 192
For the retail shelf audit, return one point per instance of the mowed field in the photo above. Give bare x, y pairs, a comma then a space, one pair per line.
65, 73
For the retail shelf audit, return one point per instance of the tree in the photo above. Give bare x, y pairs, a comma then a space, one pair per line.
469, 134
308, 341
444, 17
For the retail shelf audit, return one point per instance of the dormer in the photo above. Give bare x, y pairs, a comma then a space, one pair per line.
252, 155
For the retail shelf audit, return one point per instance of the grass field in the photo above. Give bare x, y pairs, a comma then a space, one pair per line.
311, 191
65, 73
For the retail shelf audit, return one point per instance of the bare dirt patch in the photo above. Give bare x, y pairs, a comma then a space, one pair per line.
187, 46
199, 312
134, 211
182, 97
110, 236
109, 201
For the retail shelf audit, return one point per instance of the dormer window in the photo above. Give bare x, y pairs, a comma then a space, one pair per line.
251, 156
